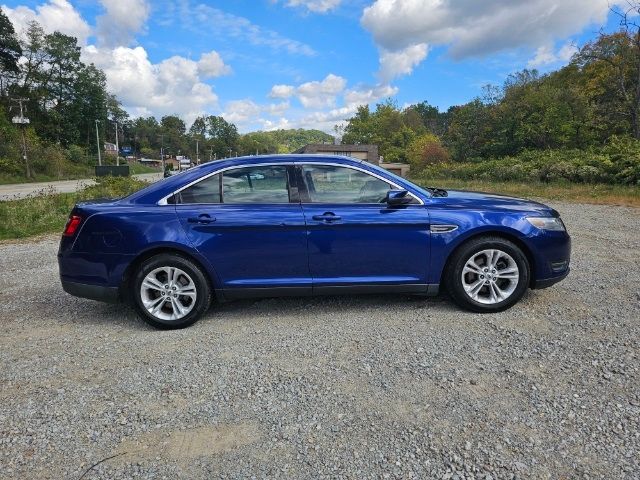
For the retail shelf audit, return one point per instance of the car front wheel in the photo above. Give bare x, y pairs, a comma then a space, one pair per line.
170, 291
488, 274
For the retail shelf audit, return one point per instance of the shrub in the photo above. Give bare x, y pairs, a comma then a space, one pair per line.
426, 150
111, 187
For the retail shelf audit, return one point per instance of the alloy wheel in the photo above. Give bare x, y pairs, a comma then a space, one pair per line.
168, 293
490, 276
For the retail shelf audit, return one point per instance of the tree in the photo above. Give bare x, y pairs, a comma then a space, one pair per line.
469, 130
10, 51
612, 68
426, 150
386, 127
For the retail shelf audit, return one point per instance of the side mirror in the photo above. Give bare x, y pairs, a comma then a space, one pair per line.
398, 197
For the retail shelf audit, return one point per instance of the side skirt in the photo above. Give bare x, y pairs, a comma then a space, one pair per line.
417, 289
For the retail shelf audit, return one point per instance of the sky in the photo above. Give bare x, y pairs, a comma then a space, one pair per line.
269, 64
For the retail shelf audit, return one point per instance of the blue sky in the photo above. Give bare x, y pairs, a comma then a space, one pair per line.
267, 64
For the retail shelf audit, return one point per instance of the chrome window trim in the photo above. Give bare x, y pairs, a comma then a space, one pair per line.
163, 201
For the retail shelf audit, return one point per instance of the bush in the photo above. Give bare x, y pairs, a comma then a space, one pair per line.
111, 187
617, 163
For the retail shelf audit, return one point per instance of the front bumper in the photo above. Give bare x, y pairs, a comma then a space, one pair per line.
547, 282
93, 292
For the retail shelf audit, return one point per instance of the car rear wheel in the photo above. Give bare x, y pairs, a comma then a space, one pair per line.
488, 274
170, 291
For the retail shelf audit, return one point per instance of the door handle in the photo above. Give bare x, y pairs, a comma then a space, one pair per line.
203, 219
327, 217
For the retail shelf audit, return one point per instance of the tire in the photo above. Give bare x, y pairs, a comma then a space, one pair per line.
159, 302
489, 284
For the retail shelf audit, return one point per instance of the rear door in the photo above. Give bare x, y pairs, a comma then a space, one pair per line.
355, 238
248, 223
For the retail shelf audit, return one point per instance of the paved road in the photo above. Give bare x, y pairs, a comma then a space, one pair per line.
335, 387
22, 190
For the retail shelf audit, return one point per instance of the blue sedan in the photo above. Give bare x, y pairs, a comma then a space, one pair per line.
305, 225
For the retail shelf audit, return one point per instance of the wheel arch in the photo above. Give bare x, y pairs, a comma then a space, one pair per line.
171, 249
506, 235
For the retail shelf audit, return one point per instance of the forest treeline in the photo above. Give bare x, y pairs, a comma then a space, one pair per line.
580, 123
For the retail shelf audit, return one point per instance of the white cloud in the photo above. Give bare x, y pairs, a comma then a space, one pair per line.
222, 24
473, 28
246, 113
171, 86
364, 95
241, 111
316, 6
476, 28
401, 62
545, 55
324, 103
279, 124
55, 15
211, 65
282, 91
121, 21
318, 94
276, 109
567, 51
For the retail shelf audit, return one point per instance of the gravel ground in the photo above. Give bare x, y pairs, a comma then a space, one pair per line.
340, 387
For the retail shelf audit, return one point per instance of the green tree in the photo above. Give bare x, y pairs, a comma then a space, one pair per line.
10, 51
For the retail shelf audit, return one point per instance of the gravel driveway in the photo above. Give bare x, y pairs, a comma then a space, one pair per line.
340, 387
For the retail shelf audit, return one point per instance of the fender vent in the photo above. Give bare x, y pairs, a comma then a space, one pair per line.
442, 228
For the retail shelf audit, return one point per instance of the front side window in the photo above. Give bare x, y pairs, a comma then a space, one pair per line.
332, 184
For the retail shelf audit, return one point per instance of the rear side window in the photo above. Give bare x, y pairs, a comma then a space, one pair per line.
255, 185
205, 191
241, 185
332, 184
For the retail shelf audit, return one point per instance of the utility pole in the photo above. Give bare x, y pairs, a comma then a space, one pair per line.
210, 153
197, 153
98, 142
162, 152
117, 146
23, 122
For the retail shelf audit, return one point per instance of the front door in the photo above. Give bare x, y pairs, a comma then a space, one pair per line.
355, 238
246, 224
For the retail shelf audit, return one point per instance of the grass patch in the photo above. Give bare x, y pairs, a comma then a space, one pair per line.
603, 194
47, 212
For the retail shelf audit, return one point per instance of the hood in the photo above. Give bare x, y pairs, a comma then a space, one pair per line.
492, 201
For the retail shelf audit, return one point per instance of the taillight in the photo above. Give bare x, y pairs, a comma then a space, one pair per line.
72, 225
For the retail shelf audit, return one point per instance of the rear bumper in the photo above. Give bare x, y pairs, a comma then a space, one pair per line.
547, 282
93, 292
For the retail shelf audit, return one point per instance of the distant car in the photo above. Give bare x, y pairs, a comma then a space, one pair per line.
302, 225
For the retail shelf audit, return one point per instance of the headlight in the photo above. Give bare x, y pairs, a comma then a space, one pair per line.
547, 223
